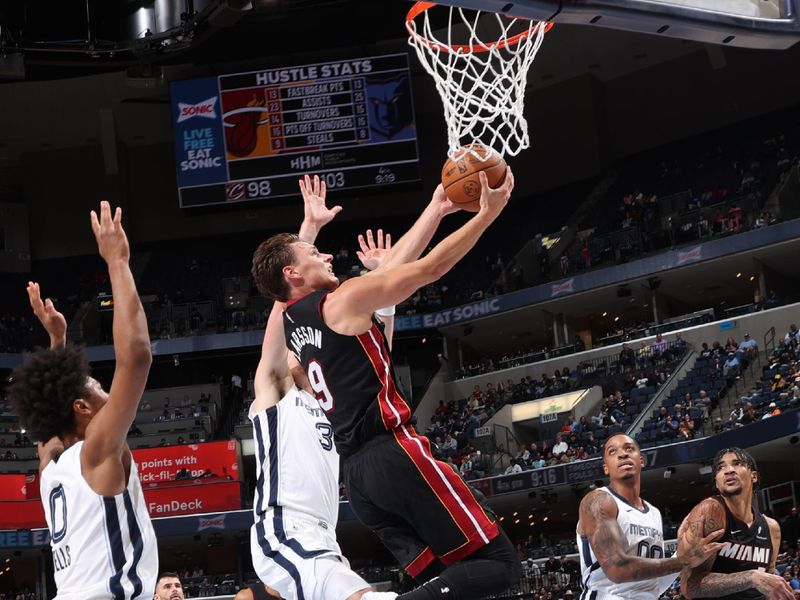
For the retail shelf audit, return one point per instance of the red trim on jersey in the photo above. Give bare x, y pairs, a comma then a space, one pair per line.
421, 562
296, 300
453, 492
394, 409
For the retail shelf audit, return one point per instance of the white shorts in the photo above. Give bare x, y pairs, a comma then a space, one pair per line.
305, 564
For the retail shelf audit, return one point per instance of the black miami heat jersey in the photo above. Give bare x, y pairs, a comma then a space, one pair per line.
352, 375
745, 548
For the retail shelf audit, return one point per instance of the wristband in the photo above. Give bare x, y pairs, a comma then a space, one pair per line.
387, 311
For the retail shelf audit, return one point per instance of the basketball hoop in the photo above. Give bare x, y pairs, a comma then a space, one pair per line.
482, 83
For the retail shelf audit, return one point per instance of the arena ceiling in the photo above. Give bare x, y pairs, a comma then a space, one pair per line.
57, 40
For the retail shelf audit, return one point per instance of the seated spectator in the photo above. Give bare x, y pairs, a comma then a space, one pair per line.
466, 468
749, 415
730, 369
538, 463
772, 411
478, 465
608, 418
591, 444
513, 468
642, 381
560, 447
669, 428
182, 474
524, 456
703, 402
719, 426
686, 427
748, 346
779, 383
568, 456
792, 334
581, 427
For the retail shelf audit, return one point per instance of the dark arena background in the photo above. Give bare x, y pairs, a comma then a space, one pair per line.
646, 264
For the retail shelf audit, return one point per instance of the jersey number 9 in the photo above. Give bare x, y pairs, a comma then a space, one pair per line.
316, 379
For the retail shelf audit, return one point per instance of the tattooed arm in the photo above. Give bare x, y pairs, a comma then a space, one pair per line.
700, 582
598, 522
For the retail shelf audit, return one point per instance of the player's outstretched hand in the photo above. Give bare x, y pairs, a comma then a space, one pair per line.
371, 253
111, 239
772, 586
315, 211
52, 320
494, 200
693, 549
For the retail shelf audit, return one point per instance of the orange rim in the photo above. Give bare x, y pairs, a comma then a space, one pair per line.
421, 7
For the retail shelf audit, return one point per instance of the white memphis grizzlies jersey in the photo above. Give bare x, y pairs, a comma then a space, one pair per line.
644, 534
297, 465
103, 546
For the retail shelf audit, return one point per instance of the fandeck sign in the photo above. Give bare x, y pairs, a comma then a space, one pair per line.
160, 465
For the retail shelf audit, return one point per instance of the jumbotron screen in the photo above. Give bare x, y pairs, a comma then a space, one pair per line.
250, 136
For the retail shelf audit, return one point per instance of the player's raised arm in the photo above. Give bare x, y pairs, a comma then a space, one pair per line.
699, 582
106, 433
349, 308
273, 377
411, 246
373, 250
53, 321
315, 212
598, 517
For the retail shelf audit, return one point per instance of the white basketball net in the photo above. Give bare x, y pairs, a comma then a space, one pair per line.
482, 83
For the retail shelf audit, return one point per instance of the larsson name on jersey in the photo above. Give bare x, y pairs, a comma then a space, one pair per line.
744, 552
303, 336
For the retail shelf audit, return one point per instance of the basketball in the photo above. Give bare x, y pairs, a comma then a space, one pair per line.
460, 176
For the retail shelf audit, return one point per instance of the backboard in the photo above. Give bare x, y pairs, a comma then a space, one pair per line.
766, 24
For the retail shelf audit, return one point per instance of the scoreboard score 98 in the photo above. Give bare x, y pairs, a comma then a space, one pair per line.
250, 136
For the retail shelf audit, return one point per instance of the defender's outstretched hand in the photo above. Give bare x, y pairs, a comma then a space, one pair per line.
52, 320
371, 253
111, 239
315, 213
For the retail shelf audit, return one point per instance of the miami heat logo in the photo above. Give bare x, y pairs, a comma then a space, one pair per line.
241, 126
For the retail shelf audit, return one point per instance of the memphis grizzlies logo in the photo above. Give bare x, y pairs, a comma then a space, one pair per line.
389, 102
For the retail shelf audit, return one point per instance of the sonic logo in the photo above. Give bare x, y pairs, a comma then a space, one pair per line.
217, 522
205, 109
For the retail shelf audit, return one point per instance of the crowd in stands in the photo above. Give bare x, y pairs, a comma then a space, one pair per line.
686, 194
632, 378
777, 390
621, 333
23, 594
